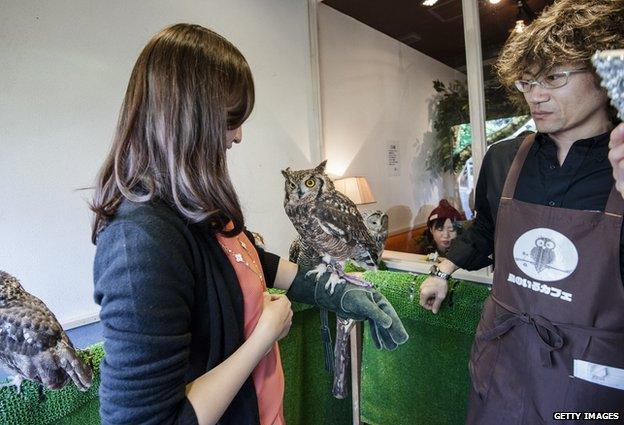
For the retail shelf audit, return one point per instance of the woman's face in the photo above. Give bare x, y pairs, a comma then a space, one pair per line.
233, 136
444, 235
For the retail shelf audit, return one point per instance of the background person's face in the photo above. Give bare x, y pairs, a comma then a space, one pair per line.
444, 235
573, 111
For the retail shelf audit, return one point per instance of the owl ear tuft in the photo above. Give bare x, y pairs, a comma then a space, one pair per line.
321, 167
286, 172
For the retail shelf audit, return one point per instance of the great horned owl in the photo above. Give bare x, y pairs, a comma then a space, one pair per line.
326, 220
543, 253
331, 232
32, 342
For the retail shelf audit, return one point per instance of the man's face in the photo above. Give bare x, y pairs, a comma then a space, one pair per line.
567, 110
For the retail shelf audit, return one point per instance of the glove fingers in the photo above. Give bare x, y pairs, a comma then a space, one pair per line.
364, 305
375, 335
380, 318
386, 339
397, 330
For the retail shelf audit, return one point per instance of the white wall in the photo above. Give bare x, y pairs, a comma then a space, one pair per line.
376, 90
64, 67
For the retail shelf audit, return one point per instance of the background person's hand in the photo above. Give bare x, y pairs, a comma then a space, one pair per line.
616, 156
432, 292
276, 317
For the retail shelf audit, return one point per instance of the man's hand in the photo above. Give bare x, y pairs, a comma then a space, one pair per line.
432, 292
616, 156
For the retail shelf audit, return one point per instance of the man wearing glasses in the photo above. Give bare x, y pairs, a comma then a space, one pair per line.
551, 336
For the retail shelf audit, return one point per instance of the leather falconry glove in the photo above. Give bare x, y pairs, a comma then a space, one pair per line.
351, 301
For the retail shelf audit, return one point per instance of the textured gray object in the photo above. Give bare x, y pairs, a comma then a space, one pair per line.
33, 345
609, 65
332, 230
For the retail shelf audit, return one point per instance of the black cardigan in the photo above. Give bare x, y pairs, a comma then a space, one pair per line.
172, 309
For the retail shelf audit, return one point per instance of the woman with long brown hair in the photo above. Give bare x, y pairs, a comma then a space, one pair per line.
190, 333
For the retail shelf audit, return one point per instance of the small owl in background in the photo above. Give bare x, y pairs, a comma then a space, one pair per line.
543, 253
33, 344
327, 221
376, 222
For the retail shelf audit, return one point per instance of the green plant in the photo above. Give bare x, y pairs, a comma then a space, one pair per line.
451, 110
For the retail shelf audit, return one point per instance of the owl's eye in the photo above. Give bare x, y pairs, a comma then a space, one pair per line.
310, 183
291, 185
550, 245
540, 242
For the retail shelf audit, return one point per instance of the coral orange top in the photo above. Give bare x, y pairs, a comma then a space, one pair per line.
268, 376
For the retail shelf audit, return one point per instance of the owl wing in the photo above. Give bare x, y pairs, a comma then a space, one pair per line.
308, 257
34, 345
293, 251
340, 218
27, 329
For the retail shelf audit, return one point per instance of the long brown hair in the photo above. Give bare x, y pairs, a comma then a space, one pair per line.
188, 86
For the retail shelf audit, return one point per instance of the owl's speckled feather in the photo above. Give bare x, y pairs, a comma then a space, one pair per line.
302, 254
32, 342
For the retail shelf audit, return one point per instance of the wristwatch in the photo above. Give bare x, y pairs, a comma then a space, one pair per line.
435, 271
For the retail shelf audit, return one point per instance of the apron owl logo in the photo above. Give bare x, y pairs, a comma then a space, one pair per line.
545, 255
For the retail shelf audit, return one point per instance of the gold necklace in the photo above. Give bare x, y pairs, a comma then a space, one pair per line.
239, 258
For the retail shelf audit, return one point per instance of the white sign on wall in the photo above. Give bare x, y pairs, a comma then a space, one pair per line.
394, 159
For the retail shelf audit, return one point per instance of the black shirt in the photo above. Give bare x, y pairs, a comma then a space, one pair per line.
583, 182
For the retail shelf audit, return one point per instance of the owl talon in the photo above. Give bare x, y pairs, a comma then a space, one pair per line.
331, 283
319, 271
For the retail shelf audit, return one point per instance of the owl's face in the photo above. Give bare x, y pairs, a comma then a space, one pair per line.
545, 243
306, 185
376, 221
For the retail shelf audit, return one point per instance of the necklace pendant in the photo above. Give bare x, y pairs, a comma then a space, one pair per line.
238, 257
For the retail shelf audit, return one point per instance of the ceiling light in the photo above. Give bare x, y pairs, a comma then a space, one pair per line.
429, 2
494, 1
525, 16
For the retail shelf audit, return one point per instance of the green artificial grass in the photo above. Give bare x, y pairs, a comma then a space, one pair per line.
426, 380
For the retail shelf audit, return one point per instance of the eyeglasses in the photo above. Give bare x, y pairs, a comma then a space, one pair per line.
551, 81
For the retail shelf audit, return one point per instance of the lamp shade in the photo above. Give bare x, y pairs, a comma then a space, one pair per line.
356, 189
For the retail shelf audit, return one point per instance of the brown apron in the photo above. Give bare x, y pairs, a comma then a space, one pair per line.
551, 335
